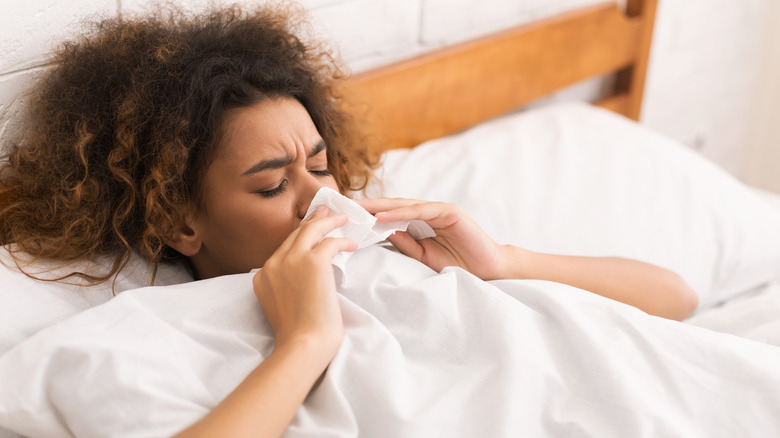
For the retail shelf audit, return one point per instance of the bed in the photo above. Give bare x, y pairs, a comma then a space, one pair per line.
445, 354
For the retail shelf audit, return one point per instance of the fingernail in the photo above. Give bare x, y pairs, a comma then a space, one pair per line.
320, 208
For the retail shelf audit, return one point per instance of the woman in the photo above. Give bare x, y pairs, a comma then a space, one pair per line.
206, 139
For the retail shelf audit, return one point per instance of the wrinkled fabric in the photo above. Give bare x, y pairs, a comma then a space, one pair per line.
424, 354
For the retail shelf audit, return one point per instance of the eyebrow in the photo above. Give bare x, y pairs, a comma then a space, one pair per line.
277, 163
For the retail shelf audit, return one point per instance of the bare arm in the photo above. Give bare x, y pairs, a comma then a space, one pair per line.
655, 290
297, 291
265, 402
460, 242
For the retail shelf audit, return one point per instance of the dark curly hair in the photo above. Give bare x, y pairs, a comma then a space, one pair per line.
120, 130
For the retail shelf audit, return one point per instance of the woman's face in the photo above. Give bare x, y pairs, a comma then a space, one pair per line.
270, 163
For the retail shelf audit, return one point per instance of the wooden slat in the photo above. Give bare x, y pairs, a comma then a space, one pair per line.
633, 79
618, 103
435, 94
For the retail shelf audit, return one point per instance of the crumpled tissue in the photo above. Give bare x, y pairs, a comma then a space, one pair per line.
361, 225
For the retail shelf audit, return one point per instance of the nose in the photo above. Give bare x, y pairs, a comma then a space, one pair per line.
307, 187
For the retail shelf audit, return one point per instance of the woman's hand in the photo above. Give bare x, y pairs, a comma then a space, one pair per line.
297, 290
296, 287
459, 240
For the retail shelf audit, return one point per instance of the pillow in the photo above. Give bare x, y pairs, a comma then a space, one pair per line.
571, 178
30, 305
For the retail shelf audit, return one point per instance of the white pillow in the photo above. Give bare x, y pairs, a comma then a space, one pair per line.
576, 179
772, 198
29, 305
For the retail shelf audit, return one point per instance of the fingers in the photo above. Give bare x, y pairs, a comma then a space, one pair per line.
331, 246
437, 214
406, 244
321, 211
383, 204
311, 231
396, 209
308, 238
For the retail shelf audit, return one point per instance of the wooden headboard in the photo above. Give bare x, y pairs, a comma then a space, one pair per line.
448, 90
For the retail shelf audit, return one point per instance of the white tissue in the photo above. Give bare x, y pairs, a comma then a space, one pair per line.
361, 225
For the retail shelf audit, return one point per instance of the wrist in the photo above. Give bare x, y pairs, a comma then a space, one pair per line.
517, 263
315, 348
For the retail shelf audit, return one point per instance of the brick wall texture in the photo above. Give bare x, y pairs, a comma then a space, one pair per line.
711, 61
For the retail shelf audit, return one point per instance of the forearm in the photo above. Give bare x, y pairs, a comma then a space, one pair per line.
266, 401
650, 288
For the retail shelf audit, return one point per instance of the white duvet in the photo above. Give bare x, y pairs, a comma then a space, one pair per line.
428, 354
424, 354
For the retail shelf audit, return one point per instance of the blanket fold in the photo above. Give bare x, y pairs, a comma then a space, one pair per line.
424, 354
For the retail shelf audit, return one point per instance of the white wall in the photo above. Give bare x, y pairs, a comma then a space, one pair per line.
704, 84
763, 160
711, 82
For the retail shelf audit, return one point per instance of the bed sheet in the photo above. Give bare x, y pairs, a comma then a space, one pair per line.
424, 354
582, 181
754, 314
571, 178
771, 198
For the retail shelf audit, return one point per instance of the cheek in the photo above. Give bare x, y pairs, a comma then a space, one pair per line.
244, 231
253, 221
330, 182
270, 224
263, 231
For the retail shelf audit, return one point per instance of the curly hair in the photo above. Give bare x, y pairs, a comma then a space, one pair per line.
118, 134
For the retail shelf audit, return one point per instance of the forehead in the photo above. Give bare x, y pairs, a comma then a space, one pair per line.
269, 128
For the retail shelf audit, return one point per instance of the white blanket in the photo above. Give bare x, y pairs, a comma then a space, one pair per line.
424, 355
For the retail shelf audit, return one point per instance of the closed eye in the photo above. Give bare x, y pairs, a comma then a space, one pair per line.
278, 190
325, 172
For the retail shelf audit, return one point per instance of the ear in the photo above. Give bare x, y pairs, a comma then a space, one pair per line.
185, 238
